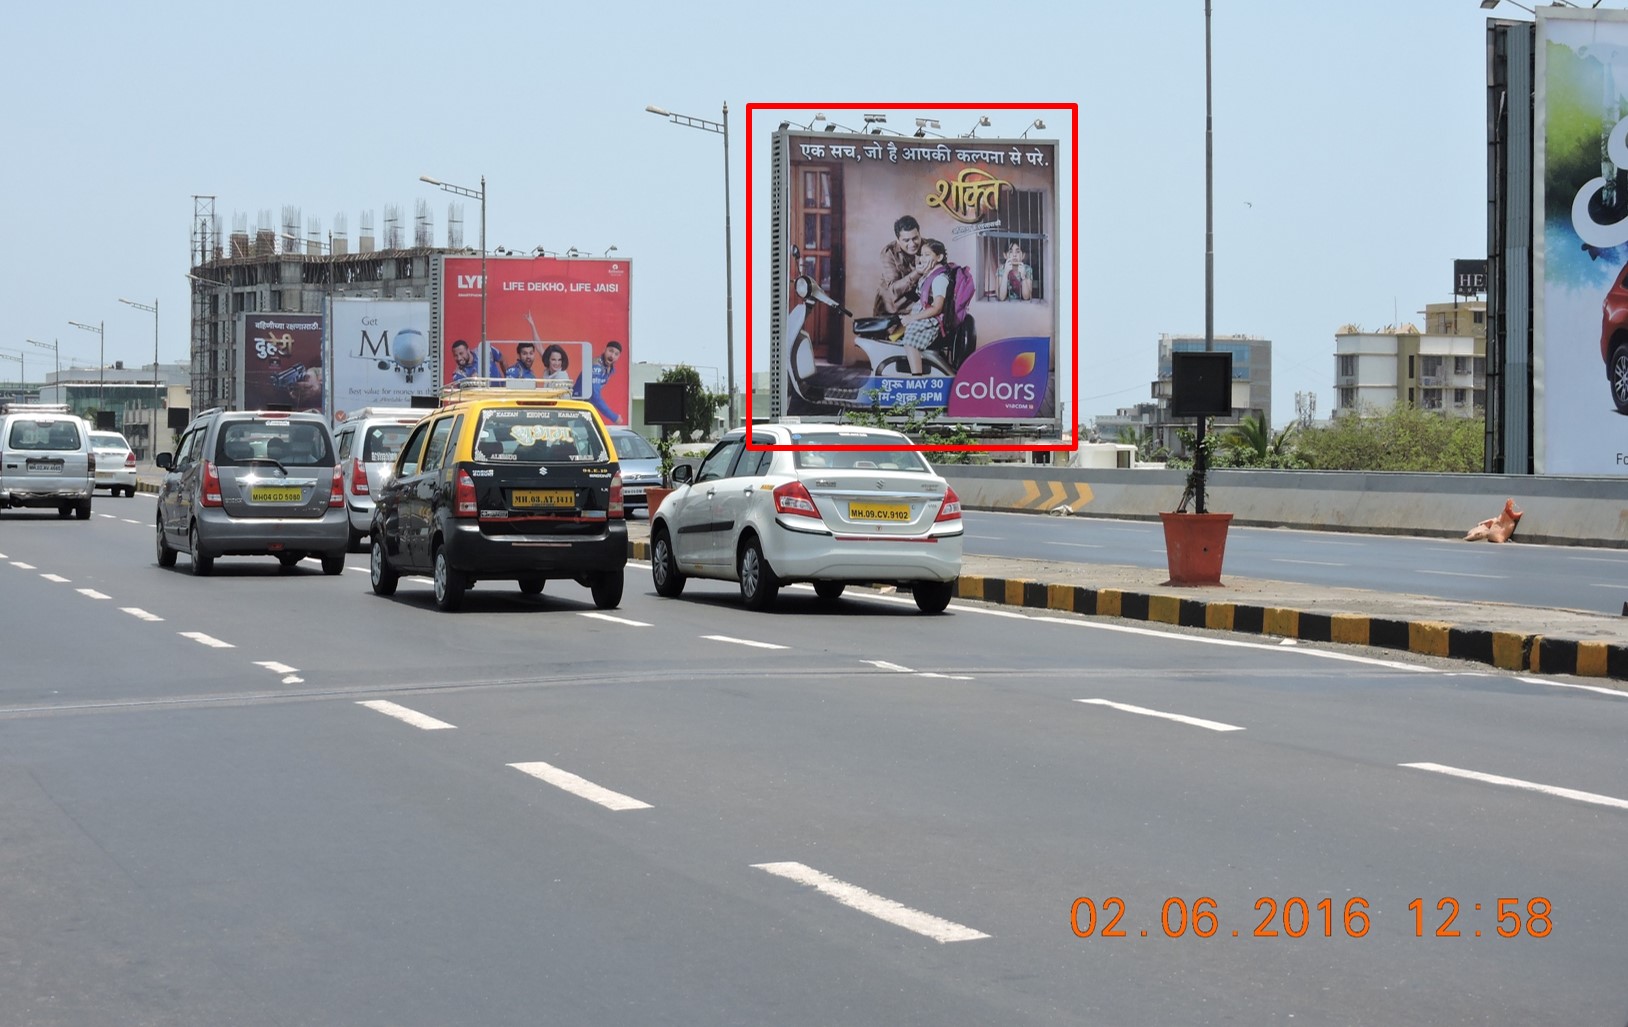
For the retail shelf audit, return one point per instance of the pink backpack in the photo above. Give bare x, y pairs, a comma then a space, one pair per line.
961, 291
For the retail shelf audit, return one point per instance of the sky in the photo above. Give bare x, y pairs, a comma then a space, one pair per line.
1349, 153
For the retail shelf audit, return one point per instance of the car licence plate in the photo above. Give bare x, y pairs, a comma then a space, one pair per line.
273, 494
897, 512
531, 499
36, 466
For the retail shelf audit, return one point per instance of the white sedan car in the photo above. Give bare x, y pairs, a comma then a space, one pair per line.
856, 506
115, 463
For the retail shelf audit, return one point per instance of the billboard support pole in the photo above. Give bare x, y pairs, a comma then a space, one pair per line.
480, 195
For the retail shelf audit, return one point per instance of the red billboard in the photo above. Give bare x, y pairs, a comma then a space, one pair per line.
546, 317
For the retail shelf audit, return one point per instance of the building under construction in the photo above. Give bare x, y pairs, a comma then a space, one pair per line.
278, 268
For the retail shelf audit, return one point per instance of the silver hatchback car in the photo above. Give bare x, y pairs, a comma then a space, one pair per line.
253, 483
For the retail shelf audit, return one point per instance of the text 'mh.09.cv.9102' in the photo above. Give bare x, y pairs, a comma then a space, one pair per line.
861, 508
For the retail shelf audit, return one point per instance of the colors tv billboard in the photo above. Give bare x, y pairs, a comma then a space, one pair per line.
917, 272
281, 358
381, 354
1580, 244
546, 317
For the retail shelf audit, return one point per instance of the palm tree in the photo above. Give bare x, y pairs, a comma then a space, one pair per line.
1256, 442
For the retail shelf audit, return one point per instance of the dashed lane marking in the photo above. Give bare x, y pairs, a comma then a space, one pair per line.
140, 614
855, 897
59, 579
91, 593
1208, 725
203, 639
581, 787
614, 620
23, 566
416, 719
744, 641
1514, 782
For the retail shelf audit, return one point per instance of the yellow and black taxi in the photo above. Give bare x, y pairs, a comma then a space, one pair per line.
510, 484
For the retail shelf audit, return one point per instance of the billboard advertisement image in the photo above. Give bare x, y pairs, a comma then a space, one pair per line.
918, 271
546, 318
381, 354
1580, 249
281, 357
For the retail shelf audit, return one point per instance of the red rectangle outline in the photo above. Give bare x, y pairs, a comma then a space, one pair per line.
1074, 250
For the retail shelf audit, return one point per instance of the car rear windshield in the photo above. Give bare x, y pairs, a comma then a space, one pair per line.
43, 434
858, 459
538, 435
290, 443
384, 442
632, 446
108, 440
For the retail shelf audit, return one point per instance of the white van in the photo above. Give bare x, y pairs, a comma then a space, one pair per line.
46, 459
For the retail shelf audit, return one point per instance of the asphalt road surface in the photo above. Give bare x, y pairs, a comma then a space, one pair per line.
270, 799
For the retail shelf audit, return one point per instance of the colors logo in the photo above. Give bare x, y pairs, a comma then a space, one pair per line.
1006, 378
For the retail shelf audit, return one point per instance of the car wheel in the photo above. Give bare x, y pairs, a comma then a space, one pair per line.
81, 509
288, 561
166, 555
449, 583
532, 584
830, 591
1617, 373
333, 563
758, 586
607, 590
669, 580
64, 509
933, 596
383, 576
202, 562
354, 544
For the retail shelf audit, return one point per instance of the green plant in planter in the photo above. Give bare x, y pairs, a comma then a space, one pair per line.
1203, 449
664, 444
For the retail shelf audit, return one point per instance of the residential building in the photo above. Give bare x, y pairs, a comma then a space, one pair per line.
1442, 367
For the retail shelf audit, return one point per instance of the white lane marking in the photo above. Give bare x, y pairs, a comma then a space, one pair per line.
23, 566
992, 538
91, 593
613, 620
1208, 725
275, 667
1314, 563
402, 713
59, 579
855, 897
1614, 693
110, 517
140, 614
128, 520
1600, 584
1319, 542
1515, 782
580, 786
3, 556
203, 639
951, 677
744, 641
1322, 654
885, 665
1461, 574
1077, 545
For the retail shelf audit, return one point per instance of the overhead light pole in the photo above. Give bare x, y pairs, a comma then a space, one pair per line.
721, 127
100, 328
479, 194
153, 310
57, 353
22, 372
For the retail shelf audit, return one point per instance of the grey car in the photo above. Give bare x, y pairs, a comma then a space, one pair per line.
46, 459
640, 464
253, 483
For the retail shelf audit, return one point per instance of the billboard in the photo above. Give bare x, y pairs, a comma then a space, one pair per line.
918, 271
381, 354
545, 317
1580, 245
281, 358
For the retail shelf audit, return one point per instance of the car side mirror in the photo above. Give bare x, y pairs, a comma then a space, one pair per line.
165, 461
682, 474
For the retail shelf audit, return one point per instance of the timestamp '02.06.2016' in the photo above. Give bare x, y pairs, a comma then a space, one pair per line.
1295, 917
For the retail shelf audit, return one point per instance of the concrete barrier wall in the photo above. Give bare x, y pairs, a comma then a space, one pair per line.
1566, 511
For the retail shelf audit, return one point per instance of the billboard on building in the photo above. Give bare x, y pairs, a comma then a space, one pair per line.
545, 317
918, 271
281, 358
1580, 245
381, 354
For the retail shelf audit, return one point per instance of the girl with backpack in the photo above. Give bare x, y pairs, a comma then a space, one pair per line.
924, 323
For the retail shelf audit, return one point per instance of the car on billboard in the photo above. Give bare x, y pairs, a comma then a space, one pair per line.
858, 507
1614, 341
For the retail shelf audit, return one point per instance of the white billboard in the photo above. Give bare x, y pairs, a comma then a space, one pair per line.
381, 353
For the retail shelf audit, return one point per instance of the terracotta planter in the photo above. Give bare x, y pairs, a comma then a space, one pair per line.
653, 495
1194, 544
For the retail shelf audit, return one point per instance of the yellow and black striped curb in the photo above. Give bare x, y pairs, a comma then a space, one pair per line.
1508, 650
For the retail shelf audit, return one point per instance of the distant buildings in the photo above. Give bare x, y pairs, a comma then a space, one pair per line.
1251, 390
1441, 368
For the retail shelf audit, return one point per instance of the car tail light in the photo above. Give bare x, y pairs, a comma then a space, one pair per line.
130, 461
336, 491
463, 496
793, 498
951, 510
211, 484
90, 463
615, 510
358, 476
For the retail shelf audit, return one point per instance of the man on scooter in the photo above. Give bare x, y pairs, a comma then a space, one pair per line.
900, 273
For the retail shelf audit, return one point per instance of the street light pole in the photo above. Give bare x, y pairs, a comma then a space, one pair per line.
153, 310
100, 328
479, 194
1209, 243
722, 128
57, 353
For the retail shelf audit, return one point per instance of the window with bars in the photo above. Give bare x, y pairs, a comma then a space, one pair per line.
1021, 219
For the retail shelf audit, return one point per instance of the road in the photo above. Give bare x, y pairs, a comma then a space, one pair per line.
1561, 577
272, 799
